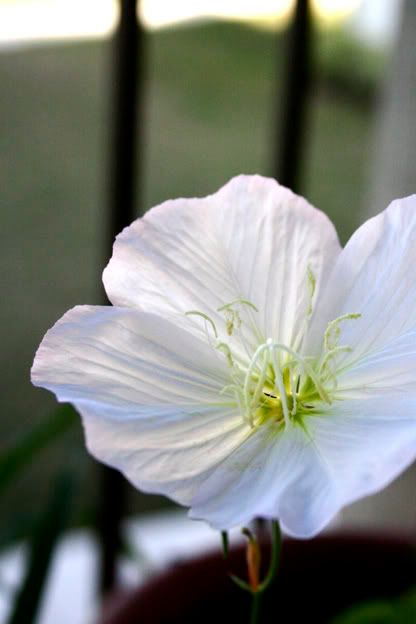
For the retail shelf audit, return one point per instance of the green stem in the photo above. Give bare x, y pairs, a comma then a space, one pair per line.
255, 608
275, 558
271, 574
224, 541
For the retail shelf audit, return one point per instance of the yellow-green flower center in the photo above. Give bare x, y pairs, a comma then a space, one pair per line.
277, 383
269, 408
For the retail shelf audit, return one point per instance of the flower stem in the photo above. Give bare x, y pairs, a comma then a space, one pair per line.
255, 608
224, 541
271, 574
255, 588
275, 558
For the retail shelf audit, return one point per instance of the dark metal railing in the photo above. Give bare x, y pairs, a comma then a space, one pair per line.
124, 192
290, 139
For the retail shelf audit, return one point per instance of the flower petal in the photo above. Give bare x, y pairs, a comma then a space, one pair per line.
165, 451
303, 477
124, 357
148, 392
251, 240
366, 443
275, 475
390, 371
373, 276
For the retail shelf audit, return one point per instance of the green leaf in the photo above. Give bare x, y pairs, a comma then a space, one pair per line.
45, 537
407, 606
14, 459
371, 613
398, 611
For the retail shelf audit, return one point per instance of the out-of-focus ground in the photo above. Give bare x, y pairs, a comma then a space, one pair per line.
212, 105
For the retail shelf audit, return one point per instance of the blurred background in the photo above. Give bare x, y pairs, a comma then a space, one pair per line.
214, 80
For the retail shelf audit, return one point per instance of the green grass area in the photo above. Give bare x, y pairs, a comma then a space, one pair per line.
212, 105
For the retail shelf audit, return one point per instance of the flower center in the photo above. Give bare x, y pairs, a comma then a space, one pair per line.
277, 383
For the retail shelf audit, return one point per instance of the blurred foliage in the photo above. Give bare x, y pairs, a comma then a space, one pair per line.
399, 611
45, 536
23, 452
347, 66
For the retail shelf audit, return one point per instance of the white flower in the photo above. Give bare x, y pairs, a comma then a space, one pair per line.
249, 366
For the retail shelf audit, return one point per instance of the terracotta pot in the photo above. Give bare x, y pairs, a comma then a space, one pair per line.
317, 579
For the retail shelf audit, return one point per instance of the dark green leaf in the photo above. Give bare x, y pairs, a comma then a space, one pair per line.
399, 611
44, 540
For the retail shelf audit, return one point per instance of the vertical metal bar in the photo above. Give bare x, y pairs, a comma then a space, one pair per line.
128, 87
128, 91
290, 142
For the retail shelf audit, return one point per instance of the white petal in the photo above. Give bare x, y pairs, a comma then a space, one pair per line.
304, 477
253, 240
390, 371
149, 394
168, 451
125, 357
366, 443
279, 476
374, 276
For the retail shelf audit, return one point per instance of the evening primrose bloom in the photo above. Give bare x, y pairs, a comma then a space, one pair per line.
249, 365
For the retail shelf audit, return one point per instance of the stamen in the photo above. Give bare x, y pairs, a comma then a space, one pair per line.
260, 383
293, 392
248, 378
241, 407
333, 330
204, 316
230, 387
308, 370
311, 287
241, 301
224, 348
279, 380
330, 354
232, 320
